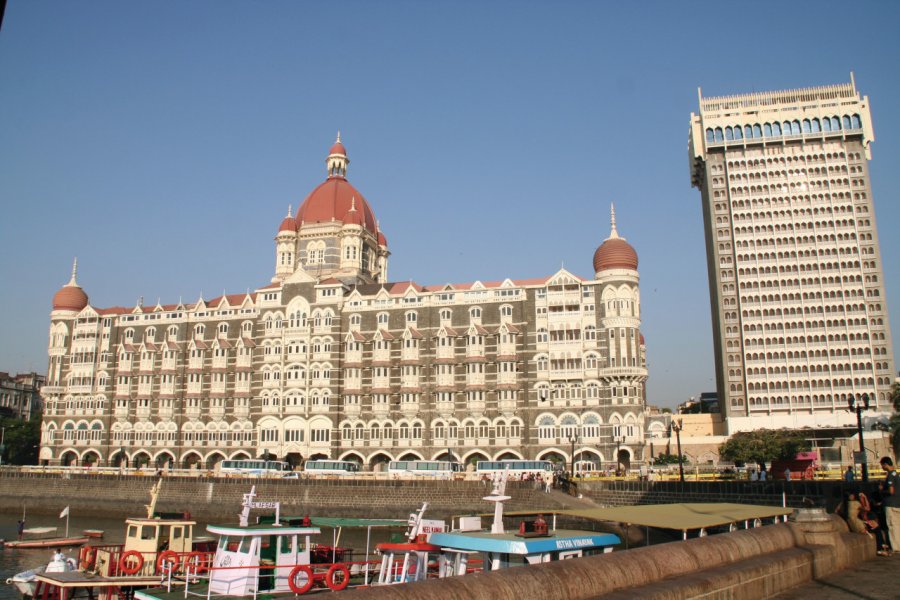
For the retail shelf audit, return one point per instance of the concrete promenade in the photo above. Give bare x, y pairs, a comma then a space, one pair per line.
875, 579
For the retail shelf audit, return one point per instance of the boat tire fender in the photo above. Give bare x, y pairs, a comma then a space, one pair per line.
197, 561
130, 567
301, 589
165, 557
344, 577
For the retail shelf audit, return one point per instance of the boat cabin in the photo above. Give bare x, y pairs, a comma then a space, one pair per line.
473, 550
259, 558
149, 538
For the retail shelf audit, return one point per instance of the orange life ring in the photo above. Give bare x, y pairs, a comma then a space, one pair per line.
88, 558
197, 562
129, 567
301, 589
166, 557
334, 570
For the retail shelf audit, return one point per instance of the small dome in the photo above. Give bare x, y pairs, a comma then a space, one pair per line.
615, 253
70, 296
338, 148
382, 241
289, 224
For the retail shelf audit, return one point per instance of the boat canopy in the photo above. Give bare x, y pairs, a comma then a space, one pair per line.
680, 517
509, 543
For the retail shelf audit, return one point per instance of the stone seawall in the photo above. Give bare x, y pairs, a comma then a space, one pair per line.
217, 498
827, 494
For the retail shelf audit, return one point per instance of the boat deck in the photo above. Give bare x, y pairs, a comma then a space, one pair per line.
78, 579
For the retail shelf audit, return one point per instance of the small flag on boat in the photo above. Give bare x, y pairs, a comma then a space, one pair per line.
64, 513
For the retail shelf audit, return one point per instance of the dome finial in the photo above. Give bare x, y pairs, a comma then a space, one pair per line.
612, 222
290, 207
74, 272
353, 203
338, 140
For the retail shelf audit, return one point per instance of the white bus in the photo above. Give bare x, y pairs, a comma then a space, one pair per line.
517, 468
440, 469
330, 467
250, 467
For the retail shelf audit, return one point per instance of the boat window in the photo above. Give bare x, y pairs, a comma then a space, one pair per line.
286, 544
176, 533
132, 531
148, 532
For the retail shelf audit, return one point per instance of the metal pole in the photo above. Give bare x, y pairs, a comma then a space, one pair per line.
864, 468
680, 460
572, 440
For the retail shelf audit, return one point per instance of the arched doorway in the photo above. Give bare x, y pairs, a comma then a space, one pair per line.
140, 460
378, 462
587, 461
120, 459
509, 456
90, 459
558, 460
165, 461
213, 460
473, 458
624, 459
409, 456
68, 459
191, 460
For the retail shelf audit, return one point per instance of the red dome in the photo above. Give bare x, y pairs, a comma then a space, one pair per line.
615, 253
70, 297
332, 201
382, 241
289, 224
338, 148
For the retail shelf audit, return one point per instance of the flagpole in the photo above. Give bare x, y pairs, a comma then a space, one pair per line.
67, 522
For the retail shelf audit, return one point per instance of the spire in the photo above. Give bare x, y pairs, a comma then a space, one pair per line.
72, 281
289, 211
352, 198
338, 140
613, 234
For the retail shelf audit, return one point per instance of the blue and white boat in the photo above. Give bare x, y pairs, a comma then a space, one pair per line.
468, 548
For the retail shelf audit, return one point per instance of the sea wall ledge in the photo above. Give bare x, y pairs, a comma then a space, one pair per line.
744, 565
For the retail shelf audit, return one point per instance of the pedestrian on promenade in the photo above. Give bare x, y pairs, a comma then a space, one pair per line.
849, 475
787, 473
762, 473
891, 503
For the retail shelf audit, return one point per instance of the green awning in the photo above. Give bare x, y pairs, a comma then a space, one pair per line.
349, 522
681, 517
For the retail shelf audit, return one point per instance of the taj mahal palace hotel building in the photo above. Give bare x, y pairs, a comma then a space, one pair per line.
331, 360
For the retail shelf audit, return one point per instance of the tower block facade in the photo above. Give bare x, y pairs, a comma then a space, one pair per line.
800, 319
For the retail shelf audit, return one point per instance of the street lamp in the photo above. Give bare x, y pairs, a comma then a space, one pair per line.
573, 437
860, 405
677, 426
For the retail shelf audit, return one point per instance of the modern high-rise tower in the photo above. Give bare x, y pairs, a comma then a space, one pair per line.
799, 312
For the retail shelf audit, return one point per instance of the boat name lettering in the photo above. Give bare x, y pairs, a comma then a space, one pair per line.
578, 543
265, 504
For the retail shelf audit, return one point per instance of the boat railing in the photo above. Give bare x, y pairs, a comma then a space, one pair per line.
301, 578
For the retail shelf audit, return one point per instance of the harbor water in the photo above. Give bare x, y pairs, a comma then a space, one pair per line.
14, 561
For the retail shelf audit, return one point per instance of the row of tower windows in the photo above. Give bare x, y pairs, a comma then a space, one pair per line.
814, 158
786, 128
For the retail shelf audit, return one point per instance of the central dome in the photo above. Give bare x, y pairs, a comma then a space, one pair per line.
333, 200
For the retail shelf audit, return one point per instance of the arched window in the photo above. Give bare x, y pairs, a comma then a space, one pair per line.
446, 314
710, 134
729, 134
546, 428
767, 130
816, 126
847, 124
855, 122
757, 132
718, 134
776, 129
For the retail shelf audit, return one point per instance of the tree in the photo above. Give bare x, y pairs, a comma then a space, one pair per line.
669, 459
20, 441
763, 445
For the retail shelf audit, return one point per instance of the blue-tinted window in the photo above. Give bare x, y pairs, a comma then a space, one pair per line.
729, 133
795, 128
847, 124
767, 130
807, 126
757, 132
718, 134
857, 124
776, 129
816, 126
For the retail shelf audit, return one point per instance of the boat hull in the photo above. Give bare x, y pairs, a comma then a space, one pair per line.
48, 543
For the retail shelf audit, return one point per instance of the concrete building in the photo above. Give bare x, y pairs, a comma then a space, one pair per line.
332, 360
20, 395
796, 282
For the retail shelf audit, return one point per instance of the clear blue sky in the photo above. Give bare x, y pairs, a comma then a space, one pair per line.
162, 142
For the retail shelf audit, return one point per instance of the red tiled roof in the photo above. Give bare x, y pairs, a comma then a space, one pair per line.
385, 334
248, 342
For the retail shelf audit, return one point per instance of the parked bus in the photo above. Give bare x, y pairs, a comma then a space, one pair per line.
253, 467
330, 467
517, 468
440, 469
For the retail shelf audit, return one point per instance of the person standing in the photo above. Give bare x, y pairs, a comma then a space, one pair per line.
787, 473
849, 475
891, 503
20, 528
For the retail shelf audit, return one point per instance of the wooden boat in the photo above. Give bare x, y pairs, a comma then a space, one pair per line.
45, 542
93, 533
